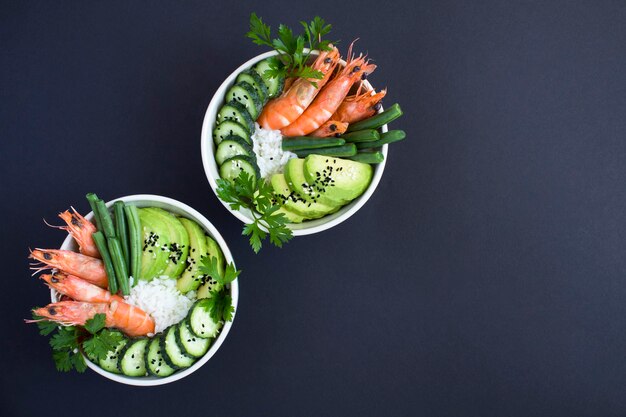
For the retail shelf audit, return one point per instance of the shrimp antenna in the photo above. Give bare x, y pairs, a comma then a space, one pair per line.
53, 226
38, 268
350, 56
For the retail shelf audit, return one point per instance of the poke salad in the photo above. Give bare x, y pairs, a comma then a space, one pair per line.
298, 134
146, 293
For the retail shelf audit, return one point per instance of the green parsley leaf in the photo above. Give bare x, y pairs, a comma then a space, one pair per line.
102, 343
256, 235
230, 274
258, 197
45, 326
219, 306
314, 31
65, 339
79, 362
62, 360
209, 266
292, 59
65, 344
95, 324
259, 31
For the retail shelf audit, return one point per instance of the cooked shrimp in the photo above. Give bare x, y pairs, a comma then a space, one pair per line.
359, 106
78, 289
83, 266
288, 82
330, 128
329, 99
129, 319
81, 230
285, 109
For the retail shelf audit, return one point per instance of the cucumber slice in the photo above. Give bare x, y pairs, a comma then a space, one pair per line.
110, 362
231, 167
232, 146
234, 110
246, 94
173, 352
200, 321
155, 362
274, 85
191, 344
253, 78
133, 358
228, 128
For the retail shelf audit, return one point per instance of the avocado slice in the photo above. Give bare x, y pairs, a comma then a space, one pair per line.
191, 277
341, 180
155, 233
291, 216
209, 284
297, 181
178, 247
293, 202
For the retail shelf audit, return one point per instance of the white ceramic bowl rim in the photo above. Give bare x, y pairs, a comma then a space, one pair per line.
176, 207
211, 170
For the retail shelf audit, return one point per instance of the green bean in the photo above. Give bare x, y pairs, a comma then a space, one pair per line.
117, 256
121, 230
92, 198
365, 135
101, 244
134, 238
385, 138
308, 142
368, 157
339, 151
390, 114
105, 219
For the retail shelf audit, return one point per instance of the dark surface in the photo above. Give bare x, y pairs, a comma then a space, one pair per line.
485, 277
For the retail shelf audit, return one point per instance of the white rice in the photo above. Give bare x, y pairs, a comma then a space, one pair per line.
161, 300
270, 156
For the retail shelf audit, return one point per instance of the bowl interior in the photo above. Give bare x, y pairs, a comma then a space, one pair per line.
184, 210
212, 173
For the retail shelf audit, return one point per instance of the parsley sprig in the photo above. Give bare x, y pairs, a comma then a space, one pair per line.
96, 342
292, 59
258, 197
219, 305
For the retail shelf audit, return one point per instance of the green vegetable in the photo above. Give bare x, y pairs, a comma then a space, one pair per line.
101, 244
66, 353
92, 199
368, 157
66, 343
340, 151
134, 238
103, 340
291, 60
307, 142
258, 197
105, 219
390, 114
385, 138
365, 135
45, 327
117, 256
219, 305
121, 230
96, 323
209, 266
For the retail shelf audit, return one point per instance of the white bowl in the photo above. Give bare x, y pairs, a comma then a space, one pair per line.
211, 169
176, 207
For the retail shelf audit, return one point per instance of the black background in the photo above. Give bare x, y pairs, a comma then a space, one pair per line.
485, 277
